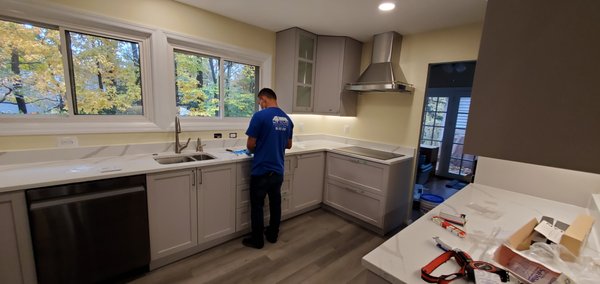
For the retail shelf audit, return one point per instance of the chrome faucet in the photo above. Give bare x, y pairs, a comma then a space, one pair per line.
178, 146
199, 145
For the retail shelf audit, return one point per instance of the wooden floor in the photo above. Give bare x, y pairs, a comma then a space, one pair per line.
316, 247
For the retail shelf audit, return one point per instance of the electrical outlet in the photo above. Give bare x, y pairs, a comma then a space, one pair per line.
346, 129
233, 135
218, 135
67, 142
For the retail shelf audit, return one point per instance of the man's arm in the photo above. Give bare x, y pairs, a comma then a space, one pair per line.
251, 144
289, 144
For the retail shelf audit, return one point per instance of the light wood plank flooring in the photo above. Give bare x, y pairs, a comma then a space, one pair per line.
316, 247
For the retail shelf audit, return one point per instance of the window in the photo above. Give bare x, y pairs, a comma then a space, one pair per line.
31, 70
104, 73
198, 81
241, 86
434, 121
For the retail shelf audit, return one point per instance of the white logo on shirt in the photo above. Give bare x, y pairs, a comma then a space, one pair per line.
280, 123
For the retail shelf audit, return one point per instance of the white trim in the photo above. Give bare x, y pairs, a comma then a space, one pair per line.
223, 51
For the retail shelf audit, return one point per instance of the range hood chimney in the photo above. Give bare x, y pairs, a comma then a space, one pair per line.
384, 73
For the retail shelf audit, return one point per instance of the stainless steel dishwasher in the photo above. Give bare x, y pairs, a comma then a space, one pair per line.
90, 232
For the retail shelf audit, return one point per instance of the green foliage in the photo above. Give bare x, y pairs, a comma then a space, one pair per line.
106, 72
107, 75
31, 71
197, 86
240, 89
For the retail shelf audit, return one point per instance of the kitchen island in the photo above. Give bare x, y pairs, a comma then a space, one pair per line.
493, 215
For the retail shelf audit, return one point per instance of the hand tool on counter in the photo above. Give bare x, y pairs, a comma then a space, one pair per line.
469, 268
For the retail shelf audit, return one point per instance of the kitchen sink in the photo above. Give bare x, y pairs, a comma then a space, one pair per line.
183, 159
202, 157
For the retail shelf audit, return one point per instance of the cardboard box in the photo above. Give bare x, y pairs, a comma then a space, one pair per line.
575, 237
529, 270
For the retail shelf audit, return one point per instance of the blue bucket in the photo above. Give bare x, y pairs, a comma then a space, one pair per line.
429, 201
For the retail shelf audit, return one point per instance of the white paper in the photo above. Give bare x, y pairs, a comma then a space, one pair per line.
484, 277
550, 232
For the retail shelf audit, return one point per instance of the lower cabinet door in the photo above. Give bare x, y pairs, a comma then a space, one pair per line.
216, 202
355, 202
16, 254
172, 212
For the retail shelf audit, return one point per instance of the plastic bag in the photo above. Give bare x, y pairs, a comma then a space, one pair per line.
583, 270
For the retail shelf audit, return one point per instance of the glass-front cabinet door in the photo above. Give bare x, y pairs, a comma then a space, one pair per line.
305, 64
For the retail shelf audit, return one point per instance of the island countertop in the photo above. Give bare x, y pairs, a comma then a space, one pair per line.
493, 215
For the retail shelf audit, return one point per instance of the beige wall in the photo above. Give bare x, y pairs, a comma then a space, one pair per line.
396, 117
174, 16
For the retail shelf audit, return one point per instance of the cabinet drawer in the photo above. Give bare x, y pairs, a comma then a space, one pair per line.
243, 193
358, 172
356, 202
243, 172
245, 168
242, 220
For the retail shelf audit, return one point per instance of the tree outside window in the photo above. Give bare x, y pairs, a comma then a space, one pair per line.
105, 73
31, 70
198, 81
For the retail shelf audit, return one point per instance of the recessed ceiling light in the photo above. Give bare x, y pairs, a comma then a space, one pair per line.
387, 6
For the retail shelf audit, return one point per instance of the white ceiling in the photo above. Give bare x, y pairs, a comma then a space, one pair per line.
359, 19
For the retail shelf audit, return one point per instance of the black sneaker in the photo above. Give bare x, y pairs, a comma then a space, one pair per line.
270, 236
251, 243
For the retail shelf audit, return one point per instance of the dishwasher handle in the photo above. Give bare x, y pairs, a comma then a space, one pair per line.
84, 197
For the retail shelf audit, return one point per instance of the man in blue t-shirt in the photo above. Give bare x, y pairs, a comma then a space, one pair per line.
269, 134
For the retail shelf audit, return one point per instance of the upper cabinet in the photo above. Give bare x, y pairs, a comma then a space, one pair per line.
294, 70
338, 63
311, 71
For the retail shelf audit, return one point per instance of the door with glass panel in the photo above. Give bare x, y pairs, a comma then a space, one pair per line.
444, 126
303, 93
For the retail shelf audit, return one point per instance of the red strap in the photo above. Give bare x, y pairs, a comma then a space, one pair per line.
442, 279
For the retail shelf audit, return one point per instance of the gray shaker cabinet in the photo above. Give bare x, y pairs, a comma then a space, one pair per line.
295, 70
338, 63
376, 193
172, 212
16, 253
307, 185
216, 201
187, 208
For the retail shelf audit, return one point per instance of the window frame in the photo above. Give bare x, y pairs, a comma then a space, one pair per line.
223, 52
68, 66
156, 61
63, 21
221, 83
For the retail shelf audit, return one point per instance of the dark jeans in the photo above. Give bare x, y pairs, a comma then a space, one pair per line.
261, 186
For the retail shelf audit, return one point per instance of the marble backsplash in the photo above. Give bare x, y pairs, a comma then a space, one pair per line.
84, 152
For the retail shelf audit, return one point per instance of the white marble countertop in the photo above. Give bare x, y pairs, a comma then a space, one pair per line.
108, 162
400, 258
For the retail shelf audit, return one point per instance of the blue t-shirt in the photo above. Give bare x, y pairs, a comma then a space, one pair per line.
272, 128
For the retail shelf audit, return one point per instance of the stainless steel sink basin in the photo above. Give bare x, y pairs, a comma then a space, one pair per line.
202, 157
183, 159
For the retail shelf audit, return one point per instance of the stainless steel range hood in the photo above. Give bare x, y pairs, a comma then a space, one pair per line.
384, 73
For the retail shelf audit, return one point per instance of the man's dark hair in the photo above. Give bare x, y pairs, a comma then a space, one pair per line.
267, 93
